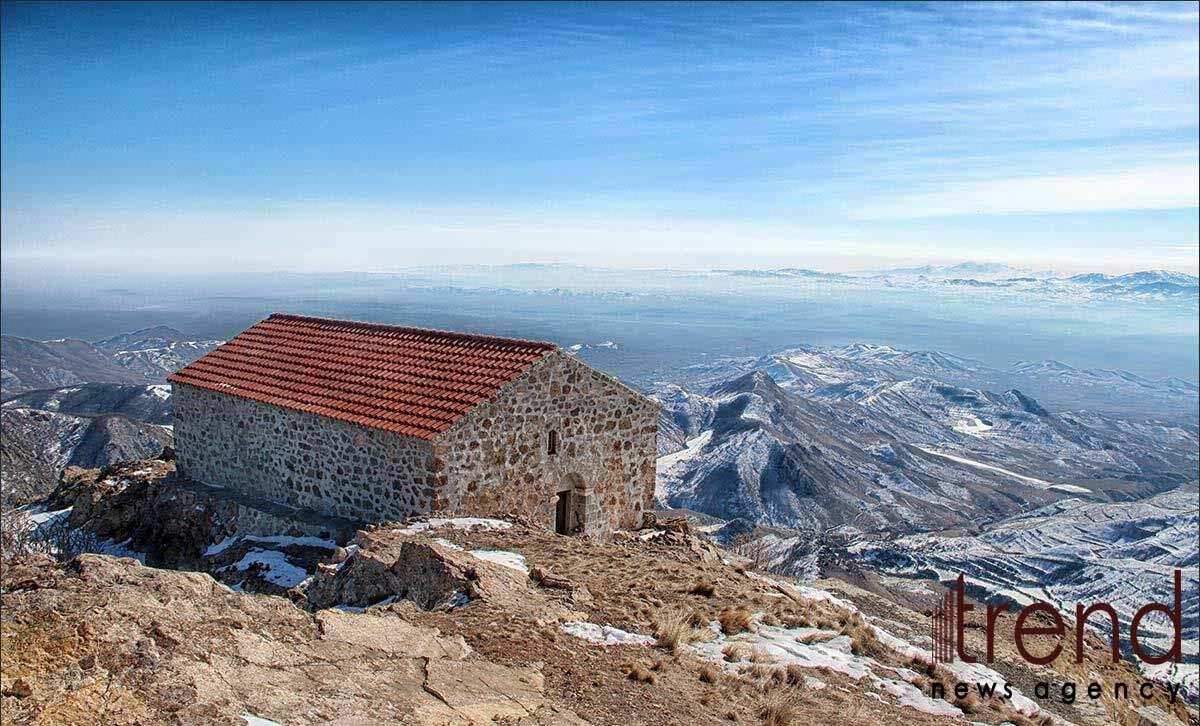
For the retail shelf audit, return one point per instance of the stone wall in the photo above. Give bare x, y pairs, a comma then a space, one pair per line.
495, 460
299, 459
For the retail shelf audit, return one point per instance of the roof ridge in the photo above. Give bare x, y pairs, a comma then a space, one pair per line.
384, 327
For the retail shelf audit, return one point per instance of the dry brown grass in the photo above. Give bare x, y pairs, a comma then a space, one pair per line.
674, 627
760, 655
795, 675
781, 709
863, 640
735, 619
709, 673
706, 588
734, 652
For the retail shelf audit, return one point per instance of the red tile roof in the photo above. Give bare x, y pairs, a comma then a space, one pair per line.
410, 381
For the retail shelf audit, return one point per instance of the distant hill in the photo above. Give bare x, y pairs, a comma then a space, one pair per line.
32, 364
148, 403
143, 356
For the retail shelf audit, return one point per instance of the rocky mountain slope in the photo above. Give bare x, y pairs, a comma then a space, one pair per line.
38, 445
147, 403
482, 621
894, 455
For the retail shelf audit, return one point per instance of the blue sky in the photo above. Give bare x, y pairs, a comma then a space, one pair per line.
311, 137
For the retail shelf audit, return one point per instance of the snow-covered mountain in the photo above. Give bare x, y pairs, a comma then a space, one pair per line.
889, 455
833, 373
155, 353
981, 271
143, 356
872, 438
33, 364
149, 403
1162, 282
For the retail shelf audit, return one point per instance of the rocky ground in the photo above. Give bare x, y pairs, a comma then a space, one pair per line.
462, 621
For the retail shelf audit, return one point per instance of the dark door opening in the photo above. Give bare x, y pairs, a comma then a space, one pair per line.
562, 513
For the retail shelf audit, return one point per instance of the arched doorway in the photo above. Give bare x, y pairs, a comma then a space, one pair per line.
570, 506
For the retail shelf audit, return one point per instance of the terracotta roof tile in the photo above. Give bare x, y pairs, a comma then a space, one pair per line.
408, 380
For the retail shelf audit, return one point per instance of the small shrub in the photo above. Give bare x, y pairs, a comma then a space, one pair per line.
673, 628
781, 710
21, 536
795, 675
766, 678
734, 653
734, 620
969, 703
760, 655
862, 636
795, 621
639, 673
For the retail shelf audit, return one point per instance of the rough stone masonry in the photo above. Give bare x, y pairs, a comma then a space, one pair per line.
558, 442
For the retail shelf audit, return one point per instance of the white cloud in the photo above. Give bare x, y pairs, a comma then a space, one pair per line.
1171, 186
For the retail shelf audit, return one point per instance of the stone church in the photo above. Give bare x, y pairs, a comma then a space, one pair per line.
378, 422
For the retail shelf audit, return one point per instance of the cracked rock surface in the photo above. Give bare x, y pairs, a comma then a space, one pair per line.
111, 640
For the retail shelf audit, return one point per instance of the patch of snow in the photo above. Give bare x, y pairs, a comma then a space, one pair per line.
278, 570
219, 547
252, 720
1038, 483
977, 673
43, 518
690, 450
120, 549
512, 560
455, 522
280, 540
971, 425
784, 647
161, 390
456, 599
605, 634
351, 551
909, 695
